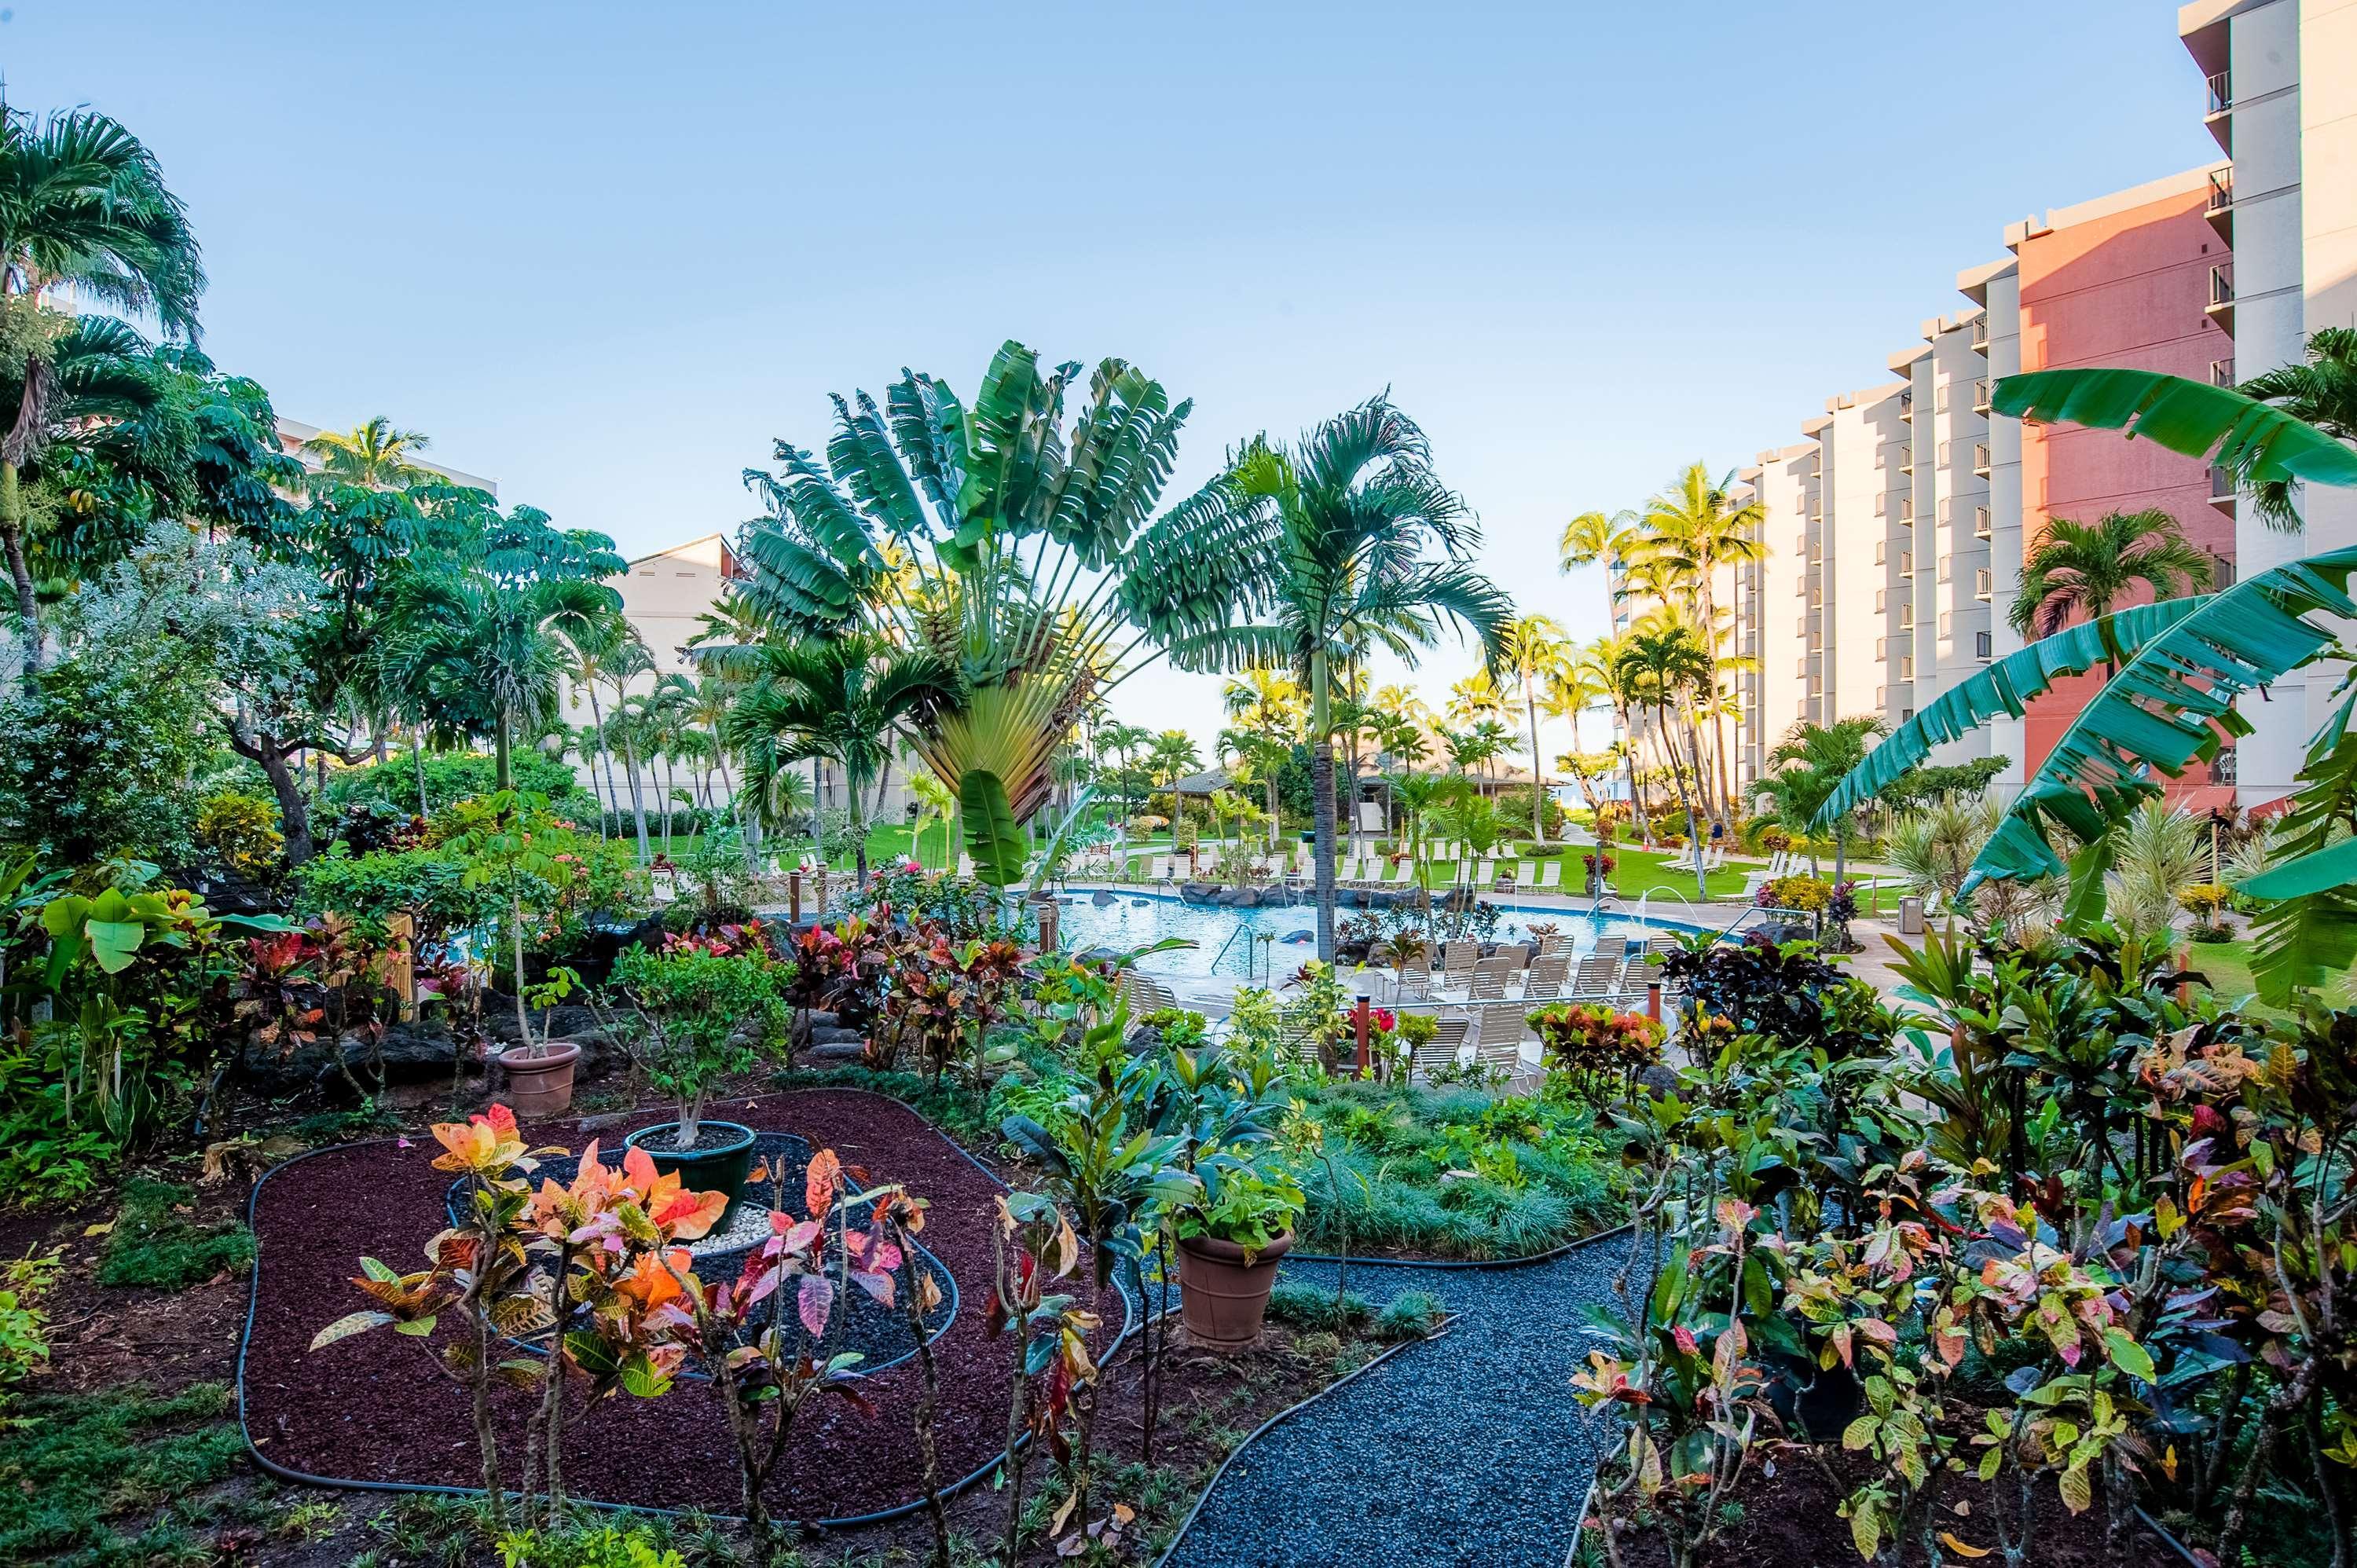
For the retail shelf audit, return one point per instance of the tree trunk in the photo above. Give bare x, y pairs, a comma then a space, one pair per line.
1538, 770
516, 924
29, 604
417, 757
1694, 838
502, 744
1321, 791
638, 801
293, 808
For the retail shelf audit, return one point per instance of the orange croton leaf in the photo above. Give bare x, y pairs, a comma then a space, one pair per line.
651, 1284
820, 1182
684, 1216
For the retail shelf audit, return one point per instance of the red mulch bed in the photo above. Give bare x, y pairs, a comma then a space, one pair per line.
371, 1409
1789, 1521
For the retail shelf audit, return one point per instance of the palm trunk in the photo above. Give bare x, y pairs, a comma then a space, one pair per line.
1702, 890
638, 801
1538, 772
605, 752
1321, 789
417, 757
29, 604
507, 774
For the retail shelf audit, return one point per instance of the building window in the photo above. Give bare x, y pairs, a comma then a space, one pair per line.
1940, 402
1980, 522
1981, 583
1882, 505
1907, 562
1947, 623
1907, 666
1983, 645
1947, 568
2221, 767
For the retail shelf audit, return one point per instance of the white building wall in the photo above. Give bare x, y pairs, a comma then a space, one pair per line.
1997, 288
1863, 443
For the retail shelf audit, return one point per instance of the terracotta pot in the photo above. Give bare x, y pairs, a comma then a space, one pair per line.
1222, 1298
540, 1078
723, 1169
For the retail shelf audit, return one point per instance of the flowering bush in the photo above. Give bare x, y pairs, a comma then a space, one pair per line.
1775, 838
1808, 894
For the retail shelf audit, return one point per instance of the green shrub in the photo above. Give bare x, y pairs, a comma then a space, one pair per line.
154, 1244
24, 1322
584, 1544
1410, 1315
454, 775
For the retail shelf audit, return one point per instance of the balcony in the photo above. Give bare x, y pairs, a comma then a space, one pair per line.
2221, 86
1907, 405
1980, 522
1981, 459
2220, 308
1982, 585
2221, 372
2220, 207
2222, 488
1980, 333
1981, 396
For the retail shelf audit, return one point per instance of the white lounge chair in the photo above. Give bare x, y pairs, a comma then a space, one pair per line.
1498, 1037
1443, 1049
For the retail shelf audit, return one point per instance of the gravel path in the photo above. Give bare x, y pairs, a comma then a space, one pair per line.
1467, 1450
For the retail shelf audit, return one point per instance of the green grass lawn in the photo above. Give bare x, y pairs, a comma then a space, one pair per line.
1642, 871
2227, 967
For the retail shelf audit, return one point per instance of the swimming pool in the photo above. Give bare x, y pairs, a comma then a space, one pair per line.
1226, 940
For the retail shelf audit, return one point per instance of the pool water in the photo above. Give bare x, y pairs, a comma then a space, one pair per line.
1227, 941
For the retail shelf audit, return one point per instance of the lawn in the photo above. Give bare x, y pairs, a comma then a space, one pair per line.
1642, 871
2227, 967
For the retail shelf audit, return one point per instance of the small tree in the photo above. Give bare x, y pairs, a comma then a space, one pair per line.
696, 1003
511, 846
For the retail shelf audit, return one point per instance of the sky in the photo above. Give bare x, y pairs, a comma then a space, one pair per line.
607, 254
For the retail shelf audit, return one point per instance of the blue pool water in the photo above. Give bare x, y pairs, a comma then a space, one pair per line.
1226, 940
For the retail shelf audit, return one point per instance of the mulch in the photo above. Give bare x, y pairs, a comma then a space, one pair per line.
371, 1408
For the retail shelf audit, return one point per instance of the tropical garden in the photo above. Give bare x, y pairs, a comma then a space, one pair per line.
433, 1126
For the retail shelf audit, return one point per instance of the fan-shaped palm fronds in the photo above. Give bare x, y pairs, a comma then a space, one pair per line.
2079, 569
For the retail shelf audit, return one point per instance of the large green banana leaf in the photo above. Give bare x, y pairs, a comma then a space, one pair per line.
992, 838
2007, 686
2261, 444
2169, 706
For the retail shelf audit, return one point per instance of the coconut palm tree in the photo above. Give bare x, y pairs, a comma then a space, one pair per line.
610, 650
374, 455
83, 206
843, 698
1665, 667
1595, 536
1345, 518
1268, 707
1806, 767
2083, 571
1532, 649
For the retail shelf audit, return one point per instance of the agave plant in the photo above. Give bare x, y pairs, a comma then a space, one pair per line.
2181, 665
1027, 560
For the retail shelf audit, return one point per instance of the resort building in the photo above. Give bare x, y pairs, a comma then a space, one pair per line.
293, 433
2281, 99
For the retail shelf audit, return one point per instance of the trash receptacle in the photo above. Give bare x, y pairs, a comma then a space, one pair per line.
1911, 915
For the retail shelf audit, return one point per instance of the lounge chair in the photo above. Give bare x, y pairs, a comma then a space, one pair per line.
1547, 974
1484, 871
1416, 977
1611, 947
1489, 977
1594, 978
1457, 961
1550, 877
1638, 980
1497, 1037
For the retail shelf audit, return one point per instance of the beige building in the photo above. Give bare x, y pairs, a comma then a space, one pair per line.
2281, 99
293, 433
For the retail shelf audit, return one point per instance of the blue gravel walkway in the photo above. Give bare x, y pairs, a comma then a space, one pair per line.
1467, 1450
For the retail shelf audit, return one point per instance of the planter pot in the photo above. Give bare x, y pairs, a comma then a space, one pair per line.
540, 1078
1222, 1298
719, 1168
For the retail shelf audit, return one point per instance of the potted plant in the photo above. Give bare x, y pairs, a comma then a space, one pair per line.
540, 1072
695, 1001
1229, 1244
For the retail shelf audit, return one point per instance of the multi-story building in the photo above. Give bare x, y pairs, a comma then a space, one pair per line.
2281, 99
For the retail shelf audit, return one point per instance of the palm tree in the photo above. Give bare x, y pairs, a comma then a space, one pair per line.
843, 698
1346, 517
1806, 767
2323, 393
374, 455
1594, 536
1266, 707
1665, 668
1532, 649
491, 659
603, 652
2080, 571
83, 206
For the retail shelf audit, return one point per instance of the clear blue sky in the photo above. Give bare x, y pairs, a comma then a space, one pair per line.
606, 254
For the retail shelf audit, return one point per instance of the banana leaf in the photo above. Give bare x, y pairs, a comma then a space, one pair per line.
1058, 849
2007, 686
2261, 444
2169, 706
992, 838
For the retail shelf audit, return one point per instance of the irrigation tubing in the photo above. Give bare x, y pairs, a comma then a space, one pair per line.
1130, 1325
